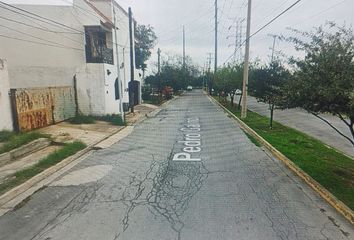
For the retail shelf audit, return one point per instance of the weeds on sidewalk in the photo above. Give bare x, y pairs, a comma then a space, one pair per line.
13, 140
82, 119
52, 159
5, 135
114, 119
332, 169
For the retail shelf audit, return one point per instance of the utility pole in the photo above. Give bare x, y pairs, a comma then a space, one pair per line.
236, 41
273, 48
118, 65
159, 74
158, 61
184, 54
216, 37
210, 57
131, 85
246, 65
239, 37
184, 48
204, 74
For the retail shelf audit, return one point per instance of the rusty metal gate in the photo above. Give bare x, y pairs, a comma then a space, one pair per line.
39, 107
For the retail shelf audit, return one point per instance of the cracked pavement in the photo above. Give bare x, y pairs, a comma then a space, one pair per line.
134, 190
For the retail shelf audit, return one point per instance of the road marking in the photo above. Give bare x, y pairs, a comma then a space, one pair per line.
191, 141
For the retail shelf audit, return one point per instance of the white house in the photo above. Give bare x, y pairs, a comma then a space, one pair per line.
58, 46
6, 118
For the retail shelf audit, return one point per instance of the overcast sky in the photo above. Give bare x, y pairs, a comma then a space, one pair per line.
168, 16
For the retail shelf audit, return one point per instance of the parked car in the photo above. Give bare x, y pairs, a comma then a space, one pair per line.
189, 88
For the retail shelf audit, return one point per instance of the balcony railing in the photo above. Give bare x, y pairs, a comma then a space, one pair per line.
105, 55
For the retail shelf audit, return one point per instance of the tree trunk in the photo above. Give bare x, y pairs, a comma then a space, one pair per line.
271, 115
239, 102
352, 128
350, 125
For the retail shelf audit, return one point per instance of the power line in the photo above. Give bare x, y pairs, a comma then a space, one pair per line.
271, 21
51, 22
267, 24
45, 40
92, 13
40, 28
178, 24
36, 15
43, 29
30, 41
270, 12
186, 23
322, 11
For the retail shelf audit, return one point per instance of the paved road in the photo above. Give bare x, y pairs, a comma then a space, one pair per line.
307, 123
137, 189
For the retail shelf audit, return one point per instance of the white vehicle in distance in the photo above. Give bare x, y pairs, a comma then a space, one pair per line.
189, 88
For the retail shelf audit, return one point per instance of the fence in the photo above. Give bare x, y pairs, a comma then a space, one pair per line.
39, 107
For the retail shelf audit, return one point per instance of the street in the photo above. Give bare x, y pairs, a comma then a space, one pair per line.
188, 173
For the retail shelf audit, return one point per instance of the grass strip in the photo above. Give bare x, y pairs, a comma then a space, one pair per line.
22, 176
17, 140
332, 169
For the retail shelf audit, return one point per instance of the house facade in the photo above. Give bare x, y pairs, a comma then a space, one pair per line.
72, 47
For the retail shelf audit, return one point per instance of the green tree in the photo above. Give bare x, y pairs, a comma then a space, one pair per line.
145, 40
228, 80
268, 83
175, 75
324, 79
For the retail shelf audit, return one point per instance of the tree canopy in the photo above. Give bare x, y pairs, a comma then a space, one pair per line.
268, 84
228, 79
145, 40
175, 75
323, 81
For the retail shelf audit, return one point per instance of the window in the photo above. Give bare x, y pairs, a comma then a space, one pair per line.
96, 46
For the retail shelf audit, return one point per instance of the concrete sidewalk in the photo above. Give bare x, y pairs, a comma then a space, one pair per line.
301, 120
97, 135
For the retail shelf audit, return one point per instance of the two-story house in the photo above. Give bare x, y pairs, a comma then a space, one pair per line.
67, 54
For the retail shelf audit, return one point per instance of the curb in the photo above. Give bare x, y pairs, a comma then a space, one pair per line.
14, 192
28, 148
155, 112
343, 209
